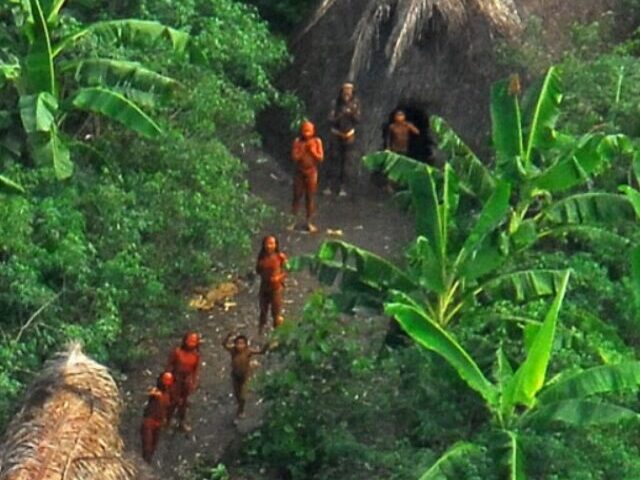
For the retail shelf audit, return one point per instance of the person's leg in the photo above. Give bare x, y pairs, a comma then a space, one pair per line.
149, 435
311, 185
239, 394
276, 307
347, 167
265, 301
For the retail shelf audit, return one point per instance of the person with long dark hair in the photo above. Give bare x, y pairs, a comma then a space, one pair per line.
344, 118
184, 363
271, 268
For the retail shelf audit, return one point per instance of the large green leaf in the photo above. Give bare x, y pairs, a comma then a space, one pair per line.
364, 278
633, 196
38, 112
577, 167
10, 185
492, 214
399, 168
522, 286
589, 208
427, 266
39, 68
121, 73
595, 380
426, 332
530, 377
55, 151
544, 115
117, 107
440, 469
578, 413
137, 32
474, 177
506, 122
52, 9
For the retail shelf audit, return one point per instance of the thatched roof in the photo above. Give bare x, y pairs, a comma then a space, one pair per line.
410, 18
67, 428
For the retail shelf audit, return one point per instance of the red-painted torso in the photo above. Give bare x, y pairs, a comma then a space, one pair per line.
158, 406
184, 363
269, 268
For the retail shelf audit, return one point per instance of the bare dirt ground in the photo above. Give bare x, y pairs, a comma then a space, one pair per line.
366, 219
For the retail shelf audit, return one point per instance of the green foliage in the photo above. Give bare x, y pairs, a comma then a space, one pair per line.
106, 256
284, 15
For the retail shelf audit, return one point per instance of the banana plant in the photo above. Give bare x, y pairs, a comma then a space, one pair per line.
51, 78
524, 398
444, 275
541, 163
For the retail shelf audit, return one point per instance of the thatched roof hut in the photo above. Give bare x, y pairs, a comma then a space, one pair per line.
435, 56
67, 428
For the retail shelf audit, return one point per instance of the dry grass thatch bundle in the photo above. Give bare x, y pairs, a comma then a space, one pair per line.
410, 19
68, 426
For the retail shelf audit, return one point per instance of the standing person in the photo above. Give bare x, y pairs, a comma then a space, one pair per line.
241, 354
156, 414
307, 153
184, 363
399, 133
344, 118
270, 266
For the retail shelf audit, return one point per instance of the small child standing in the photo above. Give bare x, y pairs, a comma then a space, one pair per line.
157, 414
307, 153
241, 354
270, 266
399, 133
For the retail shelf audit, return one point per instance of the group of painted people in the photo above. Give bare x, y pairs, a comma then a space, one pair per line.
181, 376
307, 152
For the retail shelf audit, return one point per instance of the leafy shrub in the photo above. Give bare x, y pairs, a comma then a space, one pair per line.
105, 257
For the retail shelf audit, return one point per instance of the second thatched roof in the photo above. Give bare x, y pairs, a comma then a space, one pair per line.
67, 428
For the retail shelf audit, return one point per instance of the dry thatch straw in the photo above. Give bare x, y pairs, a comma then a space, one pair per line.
410, 18
68, 426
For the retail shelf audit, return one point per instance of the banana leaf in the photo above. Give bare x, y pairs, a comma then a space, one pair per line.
578, 413
439, 470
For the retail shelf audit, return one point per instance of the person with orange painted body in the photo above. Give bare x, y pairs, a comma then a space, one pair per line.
307, 153
271, 268
241, 354
156, 414
184, 363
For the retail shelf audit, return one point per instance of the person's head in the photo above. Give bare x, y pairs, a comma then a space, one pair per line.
240, 343
347, 91
191, 341
399, 116
269, 245
307, 130
165, 381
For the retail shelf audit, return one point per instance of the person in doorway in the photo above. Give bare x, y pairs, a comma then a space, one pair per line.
156, 414
307, 153
271, 268
345, 116
184, 364
241, 353
399, 133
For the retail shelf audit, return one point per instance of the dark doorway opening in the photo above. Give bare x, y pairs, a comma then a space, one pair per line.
421, 147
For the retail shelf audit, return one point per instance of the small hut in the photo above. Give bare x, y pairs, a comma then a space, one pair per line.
67, 428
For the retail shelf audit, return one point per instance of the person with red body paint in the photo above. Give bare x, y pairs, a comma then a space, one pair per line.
184, 363
307, 153
271, 268
156, 414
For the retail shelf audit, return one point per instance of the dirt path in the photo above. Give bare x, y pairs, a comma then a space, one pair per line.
369, 221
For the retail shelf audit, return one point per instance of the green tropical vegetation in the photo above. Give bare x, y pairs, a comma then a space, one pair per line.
98, 243
500, 343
